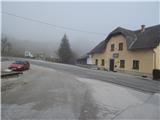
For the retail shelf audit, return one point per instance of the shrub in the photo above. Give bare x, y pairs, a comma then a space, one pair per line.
156, 74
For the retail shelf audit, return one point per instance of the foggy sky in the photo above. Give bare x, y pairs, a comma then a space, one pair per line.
101, 17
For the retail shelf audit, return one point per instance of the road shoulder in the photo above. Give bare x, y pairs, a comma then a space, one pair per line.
117, 102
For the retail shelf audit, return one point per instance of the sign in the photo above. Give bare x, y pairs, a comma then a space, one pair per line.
115, 55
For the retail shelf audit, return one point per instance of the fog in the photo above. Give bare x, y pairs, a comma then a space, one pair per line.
97, 17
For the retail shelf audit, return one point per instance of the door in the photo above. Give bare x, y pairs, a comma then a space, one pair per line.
111, 64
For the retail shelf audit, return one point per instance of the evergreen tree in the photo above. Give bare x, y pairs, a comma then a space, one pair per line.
64, 52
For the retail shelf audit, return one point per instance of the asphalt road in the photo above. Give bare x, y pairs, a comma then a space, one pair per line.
135, 82
46, 94
131, 81
57, 93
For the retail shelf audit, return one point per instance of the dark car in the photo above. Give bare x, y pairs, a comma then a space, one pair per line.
20, 65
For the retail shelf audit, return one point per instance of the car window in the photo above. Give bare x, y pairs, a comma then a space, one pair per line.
19, 62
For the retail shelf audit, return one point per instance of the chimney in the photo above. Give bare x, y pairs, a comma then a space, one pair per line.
142, 28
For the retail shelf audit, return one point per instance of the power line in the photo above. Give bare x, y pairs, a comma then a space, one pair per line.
49, 24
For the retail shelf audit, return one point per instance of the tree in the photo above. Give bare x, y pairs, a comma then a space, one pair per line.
6, 46
65, 53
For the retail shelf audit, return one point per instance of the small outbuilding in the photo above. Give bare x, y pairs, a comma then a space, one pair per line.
85, 60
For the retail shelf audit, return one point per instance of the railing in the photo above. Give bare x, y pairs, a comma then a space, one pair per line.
9, 74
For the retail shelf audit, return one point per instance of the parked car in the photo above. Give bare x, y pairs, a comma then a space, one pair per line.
20, 65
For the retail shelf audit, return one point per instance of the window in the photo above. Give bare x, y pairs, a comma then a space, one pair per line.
102, 62
120, 46
136, 64
96, 62
122, 63
112, 47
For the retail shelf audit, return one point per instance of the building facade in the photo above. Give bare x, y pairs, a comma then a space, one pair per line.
129, 51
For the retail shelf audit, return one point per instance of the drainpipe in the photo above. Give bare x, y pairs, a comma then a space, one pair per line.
154, 59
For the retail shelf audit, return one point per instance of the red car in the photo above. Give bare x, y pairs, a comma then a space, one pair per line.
20, 65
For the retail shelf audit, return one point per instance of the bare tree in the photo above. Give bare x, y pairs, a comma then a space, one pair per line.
8, 49
5, 46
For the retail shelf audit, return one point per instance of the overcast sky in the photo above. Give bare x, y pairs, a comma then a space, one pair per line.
99, 17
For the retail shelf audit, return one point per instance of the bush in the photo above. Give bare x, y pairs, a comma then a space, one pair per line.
156, 74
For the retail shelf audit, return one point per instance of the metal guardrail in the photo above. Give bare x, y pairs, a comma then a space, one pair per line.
9, 74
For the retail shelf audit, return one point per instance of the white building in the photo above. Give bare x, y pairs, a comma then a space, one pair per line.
89, 59
85, 59
28, 54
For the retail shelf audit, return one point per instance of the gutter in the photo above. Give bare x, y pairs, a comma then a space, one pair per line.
155, 56
154, 59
